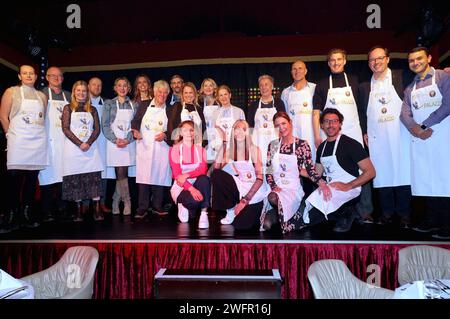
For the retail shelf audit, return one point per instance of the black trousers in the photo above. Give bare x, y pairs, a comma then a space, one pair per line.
226, 195
438, 211
23, 187
157, 193
395, 200
51, 198
203, 184
316, 216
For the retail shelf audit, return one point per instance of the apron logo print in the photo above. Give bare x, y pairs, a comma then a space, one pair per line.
265, 125
416, 105
249, 175
283, 167
40, 114
432, 93
382, 100
122, 128
225, 126
305, 104
26, 119
84, 121
333, 101
292, 111
347, 93
60, 109
265, 117
147, 127
383, 110
282, 175
160, 123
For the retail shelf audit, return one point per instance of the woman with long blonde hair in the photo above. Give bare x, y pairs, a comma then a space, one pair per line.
238, 180
82, 164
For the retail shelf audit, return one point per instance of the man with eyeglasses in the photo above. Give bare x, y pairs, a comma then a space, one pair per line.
425, 112
339, 90
50, 179
386, 137
339, 158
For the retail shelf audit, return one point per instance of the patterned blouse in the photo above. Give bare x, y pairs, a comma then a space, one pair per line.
304, 158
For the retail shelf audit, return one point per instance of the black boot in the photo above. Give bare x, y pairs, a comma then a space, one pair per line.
79, 212
27, 220
345, 221
98, 214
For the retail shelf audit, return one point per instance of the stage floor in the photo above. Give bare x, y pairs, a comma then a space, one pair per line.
168, 228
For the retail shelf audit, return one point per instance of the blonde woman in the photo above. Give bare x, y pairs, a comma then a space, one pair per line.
238, 180
207, 98
82, 164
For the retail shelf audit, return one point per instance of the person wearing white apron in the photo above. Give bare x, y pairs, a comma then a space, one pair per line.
82, 163
239, 189
22, 115
287, 157
191, 189
50, 178
387, 138
208, 91
425, 114
153, 172
339, 158
260, 116
226, 116
186, 110
341, 91
120, 147
95, 89
298, 101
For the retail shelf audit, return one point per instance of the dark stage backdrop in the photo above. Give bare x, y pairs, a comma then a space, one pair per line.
241, 78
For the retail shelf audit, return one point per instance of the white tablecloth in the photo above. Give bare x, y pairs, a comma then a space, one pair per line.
429, 289
12, 288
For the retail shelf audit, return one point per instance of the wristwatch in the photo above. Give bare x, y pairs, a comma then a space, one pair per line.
423, 127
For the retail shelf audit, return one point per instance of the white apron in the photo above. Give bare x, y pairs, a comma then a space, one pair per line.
343, 100
225, 121
53, 122
300, 110
388, 137
334, 173
152, 157
126, 156
287, 177
107, 172
264, 131
430, 174
75, 160
208, 112
27, 138
244, 175
192, 116
176, 190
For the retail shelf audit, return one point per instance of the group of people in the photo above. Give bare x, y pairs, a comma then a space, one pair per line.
310, 156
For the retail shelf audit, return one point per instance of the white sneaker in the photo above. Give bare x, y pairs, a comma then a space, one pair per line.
183, 213
229, 218
203, 222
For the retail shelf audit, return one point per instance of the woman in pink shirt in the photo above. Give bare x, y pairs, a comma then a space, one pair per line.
191, 189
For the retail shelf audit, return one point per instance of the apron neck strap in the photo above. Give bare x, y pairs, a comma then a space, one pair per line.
293, 146
181, 153
260, 102
345, 77
335, 146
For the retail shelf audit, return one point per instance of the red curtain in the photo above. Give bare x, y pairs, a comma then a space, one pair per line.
126, 270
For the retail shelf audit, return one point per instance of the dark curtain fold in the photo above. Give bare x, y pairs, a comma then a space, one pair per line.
126, 270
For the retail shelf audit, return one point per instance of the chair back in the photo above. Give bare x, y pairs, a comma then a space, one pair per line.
423, 263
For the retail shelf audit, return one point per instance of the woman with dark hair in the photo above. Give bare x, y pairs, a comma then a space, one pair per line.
285, 159
191, 189
237, 180
142, 89
82, 164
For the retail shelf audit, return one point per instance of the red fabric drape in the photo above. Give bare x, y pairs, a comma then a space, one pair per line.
126, 270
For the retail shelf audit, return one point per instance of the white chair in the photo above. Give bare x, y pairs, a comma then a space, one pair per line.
72, 277
423, 263
331, 279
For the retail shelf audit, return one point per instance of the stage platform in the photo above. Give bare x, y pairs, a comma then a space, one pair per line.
132, 252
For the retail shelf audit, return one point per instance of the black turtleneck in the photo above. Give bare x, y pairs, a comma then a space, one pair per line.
66, 117
174, 119
320, 94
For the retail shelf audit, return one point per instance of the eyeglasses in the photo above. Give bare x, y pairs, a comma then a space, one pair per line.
54, 76
379, 59
333, 121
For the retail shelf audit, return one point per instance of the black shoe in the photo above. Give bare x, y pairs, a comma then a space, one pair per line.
425, 227
405, 223
345, 221
160, 212
48, 217
140, 214
443, 233
27, 220
366, 220
384, 220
